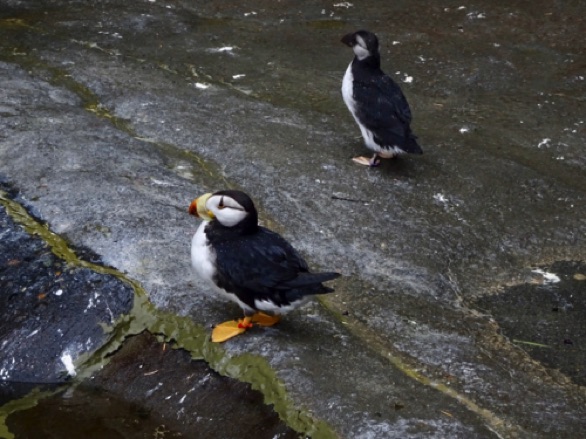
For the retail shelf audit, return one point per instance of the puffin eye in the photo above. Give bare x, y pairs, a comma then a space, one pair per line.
221, 204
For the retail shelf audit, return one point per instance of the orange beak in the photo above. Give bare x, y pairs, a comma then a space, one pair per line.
193, 208
198, 208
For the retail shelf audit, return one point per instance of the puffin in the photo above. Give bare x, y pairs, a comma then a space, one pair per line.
376, 102
248, 264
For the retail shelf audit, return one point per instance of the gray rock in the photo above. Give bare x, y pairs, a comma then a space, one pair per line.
116, 115
53, 313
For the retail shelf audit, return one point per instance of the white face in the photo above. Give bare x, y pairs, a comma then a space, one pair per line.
226, 210
360, 49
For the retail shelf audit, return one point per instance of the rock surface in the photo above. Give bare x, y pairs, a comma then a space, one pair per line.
115, 115
52, 313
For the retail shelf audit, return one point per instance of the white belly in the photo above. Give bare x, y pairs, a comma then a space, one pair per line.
367, 135
203, 261
347, 93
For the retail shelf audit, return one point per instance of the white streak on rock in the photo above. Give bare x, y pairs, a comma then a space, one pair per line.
68, 363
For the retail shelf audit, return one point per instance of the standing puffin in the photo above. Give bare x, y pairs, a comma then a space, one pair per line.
376, 102
247, 263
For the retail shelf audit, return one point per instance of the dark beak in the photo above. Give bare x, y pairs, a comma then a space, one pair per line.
349, 40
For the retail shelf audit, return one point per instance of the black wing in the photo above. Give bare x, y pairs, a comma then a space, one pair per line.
383, 109
263, 260
265, 266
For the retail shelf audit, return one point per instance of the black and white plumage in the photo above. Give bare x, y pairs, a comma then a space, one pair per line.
247, 263
376, 102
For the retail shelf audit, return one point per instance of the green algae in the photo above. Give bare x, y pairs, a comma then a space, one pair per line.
91, 103
179, 330
250, 368
25, 403
326, 24
496, 424
14, 23
198, 163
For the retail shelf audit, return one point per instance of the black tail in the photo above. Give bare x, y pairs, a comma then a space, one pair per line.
304, 280
411, 146
308, 284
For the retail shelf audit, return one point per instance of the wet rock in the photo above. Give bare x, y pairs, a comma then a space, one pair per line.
52, 312
149, 389
545, 317
138, 110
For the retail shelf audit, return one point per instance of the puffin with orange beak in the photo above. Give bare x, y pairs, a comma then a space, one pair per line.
248, 264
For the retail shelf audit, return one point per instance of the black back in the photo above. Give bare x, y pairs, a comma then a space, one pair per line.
262, 266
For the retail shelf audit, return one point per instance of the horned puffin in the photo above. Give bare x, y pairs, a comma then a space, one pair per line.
376, 102
247, 263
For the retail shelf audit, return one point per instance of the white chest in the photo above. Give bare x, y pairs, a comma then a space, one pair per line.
347, 93
202, 257
203, 261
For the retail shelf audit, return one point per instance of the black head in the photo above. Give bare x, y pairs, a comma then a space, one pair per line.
230, 209
363, 43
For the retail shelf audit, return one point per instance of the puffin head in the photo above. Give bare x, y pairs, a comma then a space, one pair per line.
229, 208
363, 43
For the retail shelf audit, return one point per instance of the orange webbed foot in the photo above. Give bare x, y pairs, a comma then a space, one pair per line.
365, 161
262, 319
227, 330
